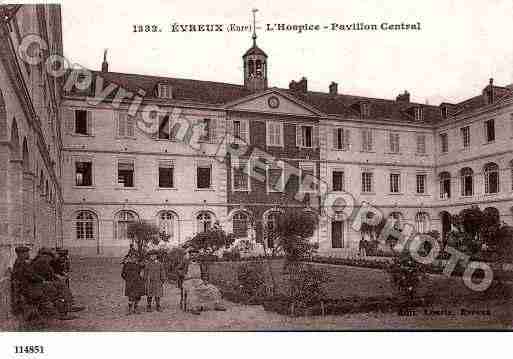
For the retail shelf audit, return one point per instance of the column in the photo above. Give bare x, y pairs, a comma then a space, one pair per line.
28, 208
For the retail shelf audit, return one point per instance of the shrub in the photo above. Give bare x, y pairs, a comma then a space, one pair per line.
209, 242
251, 280
142, 233
406, 274
306, 284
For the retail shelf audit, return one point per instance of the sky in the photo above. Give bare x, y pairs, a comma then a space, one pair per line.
460, 46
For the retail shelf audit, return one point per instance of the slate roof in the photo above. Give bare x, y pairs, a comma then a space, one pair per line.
255, 50
347, 106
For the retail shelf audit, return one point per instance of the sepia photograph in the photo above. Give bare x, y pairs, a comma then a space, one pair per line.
172, 166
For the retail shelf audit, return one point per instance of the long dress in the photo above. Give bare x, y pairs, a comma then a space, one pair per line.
154, 278
200, 295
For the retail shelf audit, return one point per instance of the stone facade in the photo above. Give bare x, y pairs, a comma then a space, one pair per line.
30, 143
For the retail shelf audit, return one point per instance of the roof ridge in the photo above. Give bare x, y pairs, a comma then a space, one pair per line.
170, 78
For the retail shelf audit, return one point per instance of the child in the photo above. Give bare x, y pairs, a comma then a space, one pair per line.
134, 285
154, 278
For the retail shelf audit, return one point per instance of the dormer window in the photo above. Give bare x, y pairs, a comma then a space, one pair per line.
418, 113
443, 112
365, 110
164, 91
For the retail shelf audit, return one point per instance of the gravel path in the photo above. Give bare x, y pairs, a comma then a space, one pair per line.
97, 284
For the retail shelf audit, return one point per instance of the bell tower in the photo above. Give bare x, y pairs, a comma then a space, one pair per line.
255, 64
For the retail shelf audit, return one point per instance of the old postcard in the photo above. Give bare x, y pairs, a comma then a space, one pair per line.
182, 166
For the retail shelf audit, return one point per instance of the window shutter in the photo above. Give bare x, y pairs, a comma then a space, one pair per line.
89, 122
334, 138
213, 124
298, 135
230, 128
244, 133
315, 134
347, 139
121, 124
130, 126
69, 117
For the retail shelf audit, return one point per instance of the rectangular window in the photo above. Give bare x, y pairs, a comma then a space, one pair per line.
421, 183
367, 140
164, 128
465, 136
237, 129
241, 176
203, 176
274, 134
490, 130
275, 178
444, 143
394, 142
125, 125
306, 136
307, 178
367, 179
338, 181
126, 173
341, 139
421, 143
395, 183
82, 122
337, 234
166, 174
207, 135
83, 174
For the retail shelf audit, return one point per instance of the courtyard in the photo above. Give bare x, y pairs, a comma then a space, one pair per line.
97, 284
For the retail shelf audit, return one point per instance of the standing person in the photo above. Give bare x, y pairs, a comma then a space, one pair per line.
134, 284
154, 278
362, 248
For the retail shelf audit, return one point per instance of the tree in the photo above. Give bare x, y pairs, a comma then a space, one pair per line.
143, 233
292, 235
207, 243
473, 228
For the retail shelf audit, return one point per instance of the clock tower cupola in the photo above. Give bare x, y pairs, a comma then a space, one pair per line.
255, 64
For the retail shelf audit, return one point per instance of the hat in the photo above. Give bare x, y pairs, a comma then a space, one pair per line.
21, 249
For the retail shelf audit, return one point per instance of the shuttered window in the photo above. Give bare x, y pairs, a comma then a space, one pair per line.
341, 139
166, 174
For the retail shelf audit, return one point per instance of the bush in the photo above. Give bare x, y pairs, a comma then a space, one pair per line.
306, 284
406, 274
251, 280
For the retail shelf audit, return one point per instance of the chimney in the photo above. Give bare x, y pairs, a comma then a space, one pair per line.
333, 88
105, 64
299, 86
404, 97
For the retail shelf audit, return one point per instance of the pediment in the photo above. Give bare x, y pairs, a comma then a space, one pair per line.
274, 101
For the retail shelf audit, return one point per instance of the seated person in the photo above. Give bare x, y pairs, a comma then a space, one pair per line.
55, 284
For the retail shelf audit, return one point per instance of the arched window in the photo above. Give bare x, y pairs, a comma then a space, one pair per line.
167, 224
422, 222
204, 221
467, 181
240, 222
46, 187
251, 68
445, 185
491, 174
85, 225
122, 221
258, 68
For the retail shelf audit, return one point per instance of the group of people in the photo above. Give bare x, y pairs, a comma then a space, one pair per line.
147, 277
143, 278
43, 282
